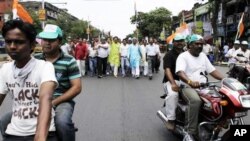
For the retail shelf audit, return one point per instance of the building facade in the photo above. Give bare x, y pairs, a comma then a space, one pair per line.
52, 12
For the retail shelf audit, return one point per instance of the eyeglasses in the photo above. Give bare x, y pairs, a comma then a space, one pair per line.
15, 41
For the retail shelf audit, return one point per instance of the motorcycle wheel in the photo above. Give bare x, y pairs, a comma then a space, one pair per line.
226, 136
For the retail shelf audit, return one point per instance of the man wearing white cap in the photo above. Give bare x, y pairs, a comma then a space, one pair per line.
242, 54
231, 53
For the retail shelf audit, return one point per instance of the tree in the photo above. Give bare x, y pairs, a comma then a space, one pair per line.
78, 29
64, 22
151, 24
36, 22
214, 9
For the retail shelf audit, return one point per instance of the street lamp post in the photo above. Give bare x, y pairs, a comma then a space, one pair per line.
43, 23
88, 30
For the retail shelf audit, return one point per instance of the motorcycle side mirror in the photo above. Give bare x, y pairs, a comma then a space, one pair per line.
205, 75
248, 80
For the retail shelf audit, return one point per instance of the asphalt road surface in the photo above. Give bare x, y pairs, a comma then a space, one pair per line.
119, 109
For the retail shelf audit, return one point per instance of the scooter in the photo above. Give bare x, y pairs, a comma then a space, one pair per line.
222, 106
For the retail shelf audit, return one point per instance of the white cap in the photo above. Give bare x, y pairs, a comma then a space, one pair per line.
236, 42
244, 43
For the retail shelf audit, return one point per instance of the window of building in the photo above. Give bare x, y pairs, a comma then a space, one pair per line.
230, 19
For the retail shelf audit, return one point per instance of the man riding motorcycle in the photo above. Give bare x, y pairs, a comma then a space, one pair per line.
243, 51
230, 54
171, 80
189, 66
241, 56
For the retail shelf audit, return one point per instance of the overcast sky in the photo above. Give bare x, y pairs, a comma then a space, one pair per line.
114, 15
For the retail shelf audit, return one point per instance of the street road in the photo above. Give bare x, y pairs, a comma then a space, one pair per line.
119, 109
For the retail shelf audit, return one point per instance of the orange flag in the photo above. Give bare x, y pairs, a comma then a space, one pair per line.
21, 12
241, 26
183, 29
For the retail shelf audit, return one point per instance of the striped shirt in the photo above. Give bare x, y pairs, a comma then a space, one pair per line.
66, 69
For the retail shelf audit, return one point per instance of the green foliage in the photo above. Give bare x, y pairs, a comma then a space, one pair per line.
36, 22
150, 24
78, 29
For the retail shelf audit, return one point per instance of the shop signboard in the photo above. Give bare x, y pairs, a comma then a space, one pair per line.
42, 14
199, 27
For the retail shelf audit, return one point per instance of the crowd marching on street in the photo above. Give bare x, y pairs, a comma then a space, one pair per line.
113, 56
42, 85
66, 64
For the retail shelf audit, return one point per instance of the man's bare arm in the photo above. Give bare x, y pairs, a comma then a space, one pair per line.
73, 91
170, 77
217, 75
45, 107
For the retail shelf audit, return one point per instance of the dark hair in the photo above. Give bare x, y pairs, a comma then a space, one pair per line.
27, 28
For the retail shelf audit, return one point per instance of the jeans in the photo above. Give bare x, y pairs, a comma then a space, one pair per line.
6, 119
92, 65
124, 65
51, 137
65, 128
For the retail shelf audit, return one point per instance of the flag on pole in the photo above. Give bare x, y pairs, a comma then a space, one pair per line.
241, 26
19, 11
135, 10
14, 9
183, 30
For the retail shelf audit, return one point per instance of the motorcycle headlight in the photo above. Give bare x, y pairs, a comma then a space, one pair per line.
245, 101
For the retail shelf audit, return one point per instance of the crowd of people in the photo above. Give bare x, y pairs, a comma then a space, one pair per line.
227, 53
127, 57
43, 86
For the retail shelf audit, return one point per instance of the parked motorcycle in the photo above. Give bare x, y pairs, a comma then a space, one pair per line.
222, 106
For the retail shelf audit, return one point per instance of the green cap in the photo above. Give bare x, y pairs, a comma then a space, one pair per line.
178, 37
194, 37
50, 32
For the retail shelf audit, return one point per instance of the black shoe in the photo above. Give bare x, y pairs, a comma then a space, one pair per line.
150, 77
163, 96
137, 77
99, 76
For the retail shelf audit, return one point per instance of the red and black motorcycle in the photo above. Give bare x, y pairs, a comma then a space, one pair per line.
222, 106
